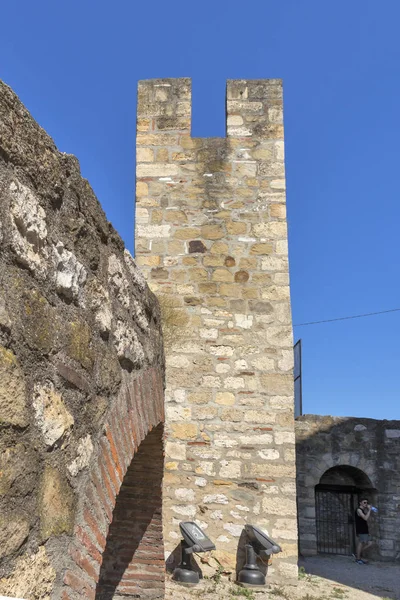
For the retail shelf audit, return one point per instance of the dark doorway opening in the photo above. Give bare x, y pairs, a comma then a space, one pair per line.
133, 560
336, 500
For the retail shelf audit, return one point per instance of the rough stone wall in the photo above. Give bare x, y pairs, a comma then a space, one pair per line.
369, 445
211, 239
81, 377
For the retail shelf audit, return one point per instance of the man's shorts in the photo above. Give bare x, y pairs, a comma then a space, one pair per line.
364, 537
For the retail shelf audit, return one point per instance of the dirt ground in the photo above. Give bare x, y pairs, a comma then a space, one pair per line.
320, 578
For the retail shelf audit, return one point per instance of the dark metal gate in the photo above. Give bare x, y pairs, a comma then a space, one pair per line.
335, 511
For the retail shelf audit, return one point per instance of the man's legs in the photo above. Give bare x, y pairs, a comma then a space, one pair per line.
359, 549
367, 545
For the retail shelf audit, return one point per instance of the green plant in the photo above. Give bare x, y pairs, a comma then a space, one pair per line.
338, 593
217, 575
302, 573
244, 592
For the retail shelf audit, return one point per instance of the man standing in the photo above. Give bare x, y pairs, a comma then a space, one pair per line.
363, 513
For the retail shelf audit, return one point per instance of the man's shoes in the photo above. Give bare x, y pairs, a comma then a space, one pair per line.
361, 562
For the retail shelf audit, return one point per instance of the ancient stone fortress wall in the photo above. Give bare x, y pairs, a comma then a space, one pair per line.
363, 454
81, 385
211, 239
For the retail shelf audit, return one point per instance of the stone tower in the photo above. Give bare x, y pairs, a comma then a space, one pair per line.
211, 238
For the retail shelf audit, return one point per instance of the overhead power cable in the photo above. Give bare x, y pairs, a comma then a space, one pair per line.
381, 312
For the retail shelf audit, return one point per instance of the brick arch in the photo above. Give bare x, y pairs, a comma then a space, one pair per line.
133, 431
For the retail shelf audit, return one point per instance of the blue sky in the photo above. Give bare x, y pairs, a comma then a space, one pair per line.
76, 65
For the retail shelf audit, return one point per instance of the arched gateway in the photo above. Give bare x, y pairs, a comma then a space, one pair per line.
336, 499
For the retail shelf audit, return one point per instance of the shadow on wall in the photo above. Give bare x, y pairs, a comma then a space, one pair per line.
338, 460
133, 560
347, 457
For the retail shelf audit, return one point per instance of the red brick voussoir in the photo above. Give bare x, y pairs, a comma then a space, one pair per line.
138, 409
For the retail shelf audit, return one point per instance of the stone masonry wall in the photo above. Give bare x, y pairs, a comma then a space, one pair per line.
211, 239
81, 383
370, 448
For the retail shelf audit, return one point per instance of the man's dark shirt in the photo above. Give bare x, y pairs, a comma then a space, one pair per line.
361, 524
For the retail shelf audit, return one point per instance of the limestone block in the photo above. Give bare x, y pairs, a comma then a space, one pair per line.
184, 431
84, 454
70, 274
99, 300
51, 415
215, 499
205, 468
118, 280
56, 504
129, 349
153, 231
278, 184
13, 409
230, 469
274, 263
185, 510
262, 417
209, 381
175, 450
222, 351
263, 363
202, 413
269, 454
225, 398
185, 494
234, 529
244, 321
234, 383
284, 437
29, 230
144, 155
156, 170
178, 413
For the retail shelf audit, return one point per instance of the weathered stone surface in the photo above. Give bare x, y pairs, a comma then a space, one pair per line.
70, 276
33, 577
222, 281
51, 414
84, 454
41, 329
56, 507
13, 409
77, 324
13, 532
29, 231
118, 281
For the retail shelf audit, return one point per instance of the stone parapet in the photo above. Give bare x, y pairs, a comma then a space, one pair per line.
211, 239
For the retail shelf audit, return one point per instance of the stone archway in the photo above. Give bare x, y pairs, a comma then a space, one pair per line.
117, 549
336, 499
309, 478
